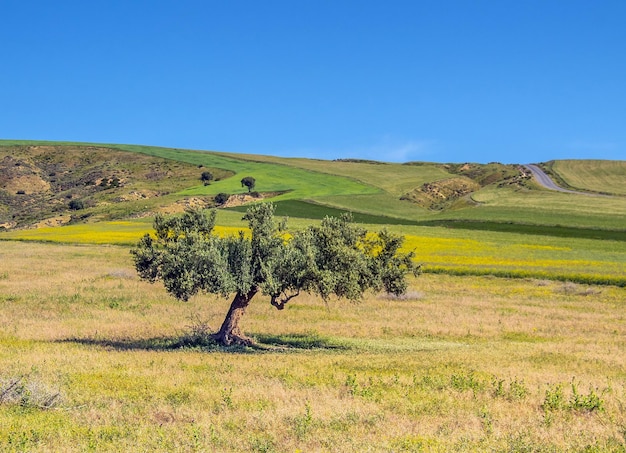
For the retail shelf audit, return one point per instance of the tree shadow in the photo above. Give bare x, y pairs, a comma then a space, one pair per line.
307, 341
262, 343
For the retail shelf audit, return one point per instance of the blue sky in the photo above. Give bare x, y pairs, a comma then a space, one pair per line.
443, 81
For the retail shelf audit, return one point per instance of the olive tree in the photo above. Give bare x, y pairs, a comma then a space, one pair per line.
335, 258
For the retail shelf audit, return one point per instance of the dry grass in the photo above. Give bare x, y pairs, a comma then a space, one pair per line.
463, 364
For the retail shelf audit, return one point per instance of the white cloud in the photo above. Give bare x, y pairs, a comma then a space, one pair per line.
389, 150
385, 149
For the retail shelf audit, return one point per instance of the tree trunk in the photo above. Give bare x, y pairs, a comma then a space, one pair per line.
230, 333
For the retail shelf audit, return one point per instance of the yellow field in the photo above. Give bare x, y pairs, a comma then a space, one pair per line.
501, 254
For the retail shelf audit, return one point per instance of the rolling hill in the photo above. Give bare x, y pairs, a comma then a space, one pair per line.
40, 180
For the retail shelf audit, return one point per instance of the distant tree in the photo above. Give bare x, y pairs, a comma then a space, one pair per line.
206, 177
249, 182
334, 258
76, 205
221, 198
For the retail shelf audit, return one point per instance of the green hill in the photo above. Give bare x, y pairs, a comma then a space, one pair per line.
460, 218
599, 176
40, 180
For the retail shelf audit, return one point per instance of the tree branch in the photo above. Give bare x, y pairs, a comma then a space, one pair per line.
280, 300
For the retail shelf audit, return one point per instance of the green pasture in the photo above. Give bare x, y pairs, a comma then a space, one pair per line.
527, 206
602, 176
372, 190
294, 183
394, 179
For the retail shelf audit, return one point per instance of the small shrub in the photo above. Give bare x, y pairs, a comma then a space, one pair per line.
221, 198
554, 398
515, 391
227, 398
465, 381
206, 177
76, 205
303, 423
585, 403
198, 333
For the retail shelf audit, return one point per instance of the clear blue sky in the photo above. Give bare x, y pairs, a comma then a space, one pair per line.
443, 81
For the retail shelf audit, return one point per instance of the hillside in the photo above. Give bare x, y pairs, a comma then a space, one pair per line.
39, 181
598, 176
63, 184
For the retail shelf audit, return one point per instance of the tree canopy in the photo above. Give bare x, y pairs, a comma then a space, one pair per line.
335, 258
249, 182
206, 177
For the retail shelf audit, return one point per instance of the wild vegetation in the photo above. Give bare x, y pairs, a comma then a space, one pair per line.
68, 184
93, 358
456, 364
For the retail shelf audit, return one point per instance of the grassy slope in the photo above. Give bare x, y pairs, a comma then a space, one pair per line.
374, 189
395, 179
506, 205
299, 183
75, 172
601, 176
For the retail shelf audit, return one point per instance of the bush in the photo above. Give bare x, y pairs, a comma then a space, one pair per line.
76, 205
221, 198
206, 177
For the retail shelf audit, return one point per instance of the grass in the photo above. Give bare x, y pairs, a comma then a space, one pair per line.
596, 257
530, 205
395, 179
297, 183
374, 189
462, 364
602, 176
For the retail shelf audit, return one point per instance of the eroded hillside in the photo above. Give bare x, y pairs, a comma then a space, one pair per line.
61, 184
464, 180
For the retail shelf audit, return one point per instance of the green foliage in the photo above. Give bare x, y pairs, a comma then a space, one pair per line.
76, 205
221, 198
515, 391
334, 258
585, 403
206, 177
248, 182
302, 424
555, 399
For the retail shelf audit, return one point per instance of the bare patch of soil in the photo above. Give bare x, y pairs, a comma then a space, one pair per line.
439, 194
187, 203
54, 221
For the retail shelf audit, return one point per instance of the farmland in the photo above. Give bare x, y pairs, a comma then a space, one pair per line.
512, 339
